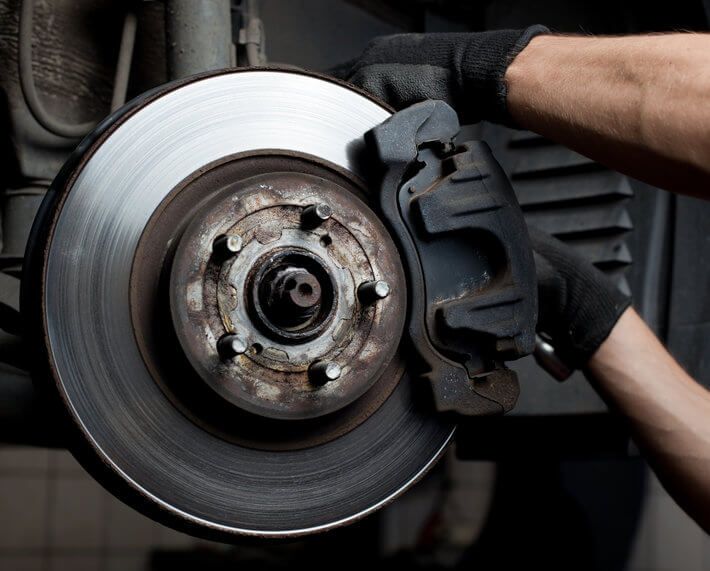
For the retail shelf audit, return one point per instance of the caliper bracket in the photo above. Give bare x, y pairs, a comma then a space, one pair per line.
467, 254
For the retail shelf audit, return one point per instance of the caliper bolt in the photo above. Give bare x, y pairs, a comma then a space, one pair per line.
315, 214
230, 345
322, 372
371, 292
226, 245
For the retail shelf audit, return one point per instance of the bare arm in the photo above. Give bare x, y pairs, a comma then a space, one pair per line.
638, 104
667, 410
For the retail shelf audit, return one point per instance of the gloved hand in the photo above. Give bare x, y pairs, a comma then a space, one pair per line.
466, 70
578, 305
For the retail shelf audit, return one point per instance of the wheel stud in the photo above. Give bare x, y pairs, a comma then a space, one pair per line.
230, 345
322, 372
372, 292
315, 214
226, 246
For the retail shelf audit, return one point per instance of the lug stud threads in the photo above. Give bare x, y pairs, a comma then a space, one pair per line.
372, 292
226, 246
322, 372
315, 214
230, 345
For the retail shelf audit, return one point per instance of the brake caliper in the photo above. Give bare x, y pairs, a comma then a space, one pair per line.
468, 258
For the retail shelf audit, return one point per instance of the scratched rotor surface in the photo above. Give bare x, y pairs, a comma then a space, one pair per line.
135, 440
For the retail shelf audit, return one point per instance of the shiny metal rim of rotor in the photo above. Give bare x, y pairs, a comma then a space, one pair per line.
88, 323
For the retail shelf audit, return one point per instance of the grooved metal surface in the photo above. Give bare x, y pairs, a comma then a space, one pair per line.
573, 198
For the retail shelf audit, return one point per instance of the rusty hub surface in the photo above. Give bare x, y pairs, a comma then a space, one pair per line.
273, 393
289, 293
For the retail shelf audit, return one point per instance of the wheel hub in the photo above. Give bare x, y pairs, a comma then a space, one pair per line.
288, 293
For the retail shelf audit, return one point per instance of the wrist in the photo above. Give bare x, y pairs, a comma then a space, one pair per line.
521, 79
488, 58
621, 342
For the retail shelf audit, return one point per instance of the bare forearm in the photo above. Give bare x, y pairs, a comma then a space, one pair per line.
668, 411
639, 104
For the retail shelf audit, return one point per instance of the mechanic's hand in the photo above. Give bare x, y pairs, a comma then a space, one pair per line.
578, 304
466, 70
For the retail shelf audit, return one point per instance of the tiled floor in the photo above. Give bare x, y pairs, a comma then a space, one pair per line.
55, 516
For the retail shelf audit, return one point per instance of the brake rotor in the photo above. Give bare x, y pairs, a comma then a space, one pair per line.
220, 309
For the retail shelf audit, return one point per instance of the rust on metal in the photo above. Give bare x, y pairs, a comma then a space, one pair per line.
236, 197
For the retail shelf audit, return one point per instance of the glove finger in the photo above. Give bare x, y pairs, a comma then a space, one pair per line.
561, 256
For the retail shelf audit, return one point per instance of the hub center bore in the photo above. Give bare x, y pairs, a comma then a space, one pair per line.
292, 296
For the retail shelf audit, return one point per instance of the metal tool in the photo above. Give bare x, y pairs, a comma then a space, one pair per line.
547, 357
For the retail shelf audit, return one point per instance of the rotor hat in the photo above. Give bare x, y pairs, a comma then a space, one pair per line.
290, 292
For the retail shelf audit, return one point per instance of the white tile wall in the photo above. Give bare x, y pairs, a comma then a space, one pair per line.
21, 460
127, 529
54, 516
23, 508
22, 563
62, 562
75, 514
126, 563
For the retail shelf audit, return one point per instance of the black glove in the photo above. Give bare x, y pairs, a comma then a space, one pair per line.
466, 70
578, 304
